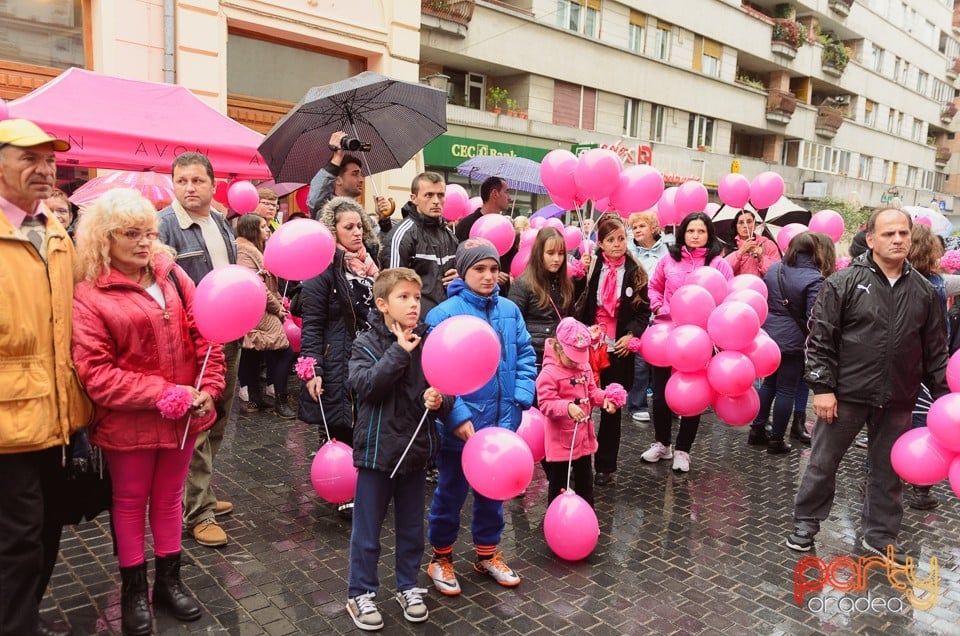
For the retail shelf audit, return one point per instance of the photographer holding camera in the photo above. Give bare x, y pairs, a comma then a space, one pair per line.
342, 177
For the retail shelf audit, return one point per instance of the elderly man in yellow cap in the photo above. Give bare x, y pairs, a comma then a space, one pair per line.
41, 401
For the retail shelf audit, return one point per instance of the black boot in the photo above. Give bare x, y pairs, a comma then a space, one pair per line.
758, 436
282, 409
135, 618
798, 430
168, 591
778, 447
922, 499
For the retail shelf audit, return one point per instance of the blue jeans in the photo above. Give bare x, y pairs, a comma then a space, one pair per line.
448, 499
637, 396
374, 491
779, 389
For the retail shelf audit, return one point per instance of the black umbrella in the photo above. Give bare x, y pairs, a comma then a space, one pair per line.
769, 220
396, 118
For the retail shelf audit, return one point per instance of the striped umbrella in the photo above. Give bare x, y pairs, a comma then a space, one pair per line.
519, 173
158, 188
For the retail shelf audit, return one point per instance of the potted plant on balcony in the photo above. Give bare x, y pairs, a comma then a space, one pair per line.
834, 56
512, 106
496, 96
788, 36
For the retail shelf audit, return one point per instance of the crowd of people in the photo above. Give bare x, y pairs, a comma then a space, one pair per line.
101, 336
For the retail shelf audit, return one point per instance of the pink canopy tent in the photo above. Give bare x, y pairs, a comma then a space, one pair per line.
125, 124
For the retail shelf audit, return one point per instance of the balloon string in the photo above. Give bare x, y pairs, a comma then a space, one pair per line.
410, 443
203, 368
286, 285
573, 439
323, 416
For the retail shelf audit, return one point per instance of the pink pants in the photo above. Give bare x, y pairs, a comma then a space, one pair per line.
139, 475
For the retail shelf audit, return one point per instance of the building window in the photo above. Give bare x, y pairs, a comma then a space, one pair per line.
706, 56
885, 173
891, 120
917, 133
904, 74
43, 33
823, 158
631, 117
699, 131
922, 82
661, 43
657, 118
581, 16
636, 31
865, 167
899, 129
574, 105
870, 113
876, 58
911, 177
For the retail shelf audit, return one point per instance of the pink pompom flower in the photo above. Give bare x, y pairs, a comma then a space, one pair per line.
950, 261
633, 345
575, 269
842, 263
174, 402
306, 368
616, 394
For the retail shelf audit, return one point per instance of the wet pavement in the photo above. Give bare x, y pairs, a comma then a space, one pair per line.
701, 553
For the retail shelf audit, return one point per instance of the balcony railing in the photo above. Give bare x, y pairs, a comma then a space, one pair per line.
841, 7
781, 105
943, 155
829, 120
459, 11
948, 112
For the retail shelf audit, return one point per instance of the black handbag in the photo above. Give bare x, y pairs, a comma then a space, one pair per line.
88, 490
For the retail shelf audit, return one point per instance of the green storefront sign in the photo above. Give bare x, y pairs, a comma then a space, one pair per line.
450, 151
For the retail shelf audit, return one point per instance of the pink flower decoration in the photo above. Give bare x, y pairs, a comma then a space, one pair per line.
575, 269
616, 394
633, 345
306, 368
950, 261
286, 303
842, 262
174, 402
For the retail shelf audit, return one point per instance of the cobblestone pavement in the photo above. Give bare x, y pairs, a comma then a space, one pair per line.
701, 553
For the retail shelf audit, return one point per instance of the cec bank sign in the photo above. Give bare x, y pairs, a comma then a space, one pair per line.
451, 151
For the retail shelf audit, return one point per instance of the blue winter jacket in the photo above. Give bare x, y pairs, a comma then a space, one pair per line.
501, 400
801, 283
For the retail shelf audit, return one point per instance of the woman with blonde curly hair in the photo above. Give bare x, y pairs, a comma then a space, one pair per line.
137, 349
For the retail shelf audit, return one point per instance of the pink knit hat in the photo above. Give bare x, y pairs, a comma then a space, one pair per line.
574, 339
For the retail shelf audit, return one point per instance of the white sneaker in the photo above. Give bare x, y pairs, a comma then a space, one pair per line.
411, 601
243, 394
656, 452
640, 416
363, 610
681, 462
269, 391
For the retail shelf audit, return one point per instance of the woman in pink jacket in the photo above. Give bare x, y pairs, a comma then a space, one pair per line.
567, 392
754, 254
138, 353
697, 245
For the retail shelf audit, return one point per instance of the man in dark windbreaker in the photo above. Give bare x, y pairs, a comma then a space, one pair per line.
877, 332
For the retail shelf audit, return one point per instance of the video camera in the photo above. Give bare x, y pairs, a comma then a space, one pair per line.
354, 145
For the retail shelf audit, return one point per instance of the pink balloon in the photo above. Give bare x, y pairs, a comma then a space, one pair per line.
730, 373
748, 281
555, 223
301, 198
456, 203
757, 302
691, 305
475, 203
4, 111
300, 249
953, 372
943, 420
229, 302
556, 172
537, 222
603, 205
220, 192
533, 431
460, 355
572, 238
733, 325
690, 348
923, 220
588, 246
828, 222
710, 279
297, 320
520, 261
711, 209
692, 196
639, 188
734, 190
766, 189
528, 236
737, 410
688, 394
497, 229
954, 475
919, 458
567, 203
243, 197
571, 527
293, 333
497, 463
333, 474
653, 344
764, 354
787, 233
667, 208
597, 173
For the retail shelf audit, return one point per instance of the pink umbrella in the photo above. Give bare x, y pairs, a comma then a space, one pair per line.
155, 187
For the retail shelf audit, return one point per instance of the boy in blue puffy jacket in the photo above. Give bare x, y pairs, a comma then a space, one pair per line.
498, 403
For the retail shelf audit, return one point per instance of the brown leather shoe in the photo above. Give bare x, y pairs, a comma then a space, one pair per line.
209, 533
222, 508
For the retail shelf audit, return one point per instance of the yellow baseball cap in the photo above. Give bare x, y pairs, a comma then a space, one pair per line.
25, 134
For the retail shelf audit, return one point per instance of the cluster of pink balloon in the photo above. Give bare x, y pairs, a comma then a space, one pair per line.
736, 190
572, 237
927, 455
458, 203
708, 313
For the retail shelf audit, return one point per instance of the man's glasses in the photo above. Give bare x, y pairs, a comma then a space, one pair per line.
136, 235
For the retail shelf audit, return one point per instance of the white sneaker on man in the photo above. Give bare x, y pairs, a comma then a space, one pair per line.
640, 416
656, 452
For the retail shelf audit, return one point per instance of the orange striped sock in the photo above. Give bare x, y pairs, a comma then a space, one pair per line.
443, 553
485, 552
